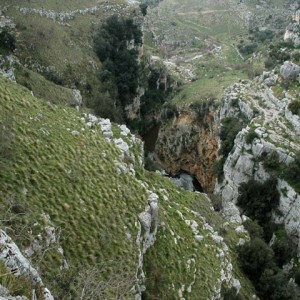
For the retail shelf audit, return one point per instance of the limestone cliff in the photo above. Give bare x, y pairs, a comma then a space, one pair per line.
272, 128
189, 142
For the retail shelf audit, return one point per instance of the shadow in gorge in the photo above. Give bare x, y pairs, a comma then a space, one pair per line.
150, 138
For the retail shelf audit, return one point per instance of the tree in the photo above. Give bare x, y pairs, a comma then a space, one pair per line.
7, 41
275, 286
259, 199
256, 256
116, 44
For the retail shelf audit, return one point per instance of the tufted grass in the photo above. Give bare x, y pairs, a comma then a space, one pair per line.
20, 286
69, 178
164, 274
73, 179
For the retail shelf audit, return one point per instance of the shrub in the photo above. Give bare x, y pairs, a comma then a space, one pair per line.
292, 174
230, 128
259, 199
247, 49
143, 7
256, 256
7, 41
283, 248
271, 162
250, 136
274, 285
294, 107
254, 229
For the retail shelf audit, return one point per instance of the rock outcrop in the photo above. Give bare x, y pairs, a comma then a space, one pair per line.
289, 70
292, 32
18, 265
190, 144
271, 132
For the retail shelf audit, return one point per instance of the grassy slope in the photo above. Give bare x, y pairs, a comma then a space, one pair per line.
68, 47
73, 178
165, 276
43, 88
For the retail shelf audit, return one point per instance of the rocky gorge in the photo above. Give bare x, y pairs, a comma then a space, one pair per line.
80, 215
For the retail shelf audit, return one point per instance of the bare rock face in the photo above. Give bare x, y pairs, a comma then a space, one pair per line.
190, 144
289, 70
292, 32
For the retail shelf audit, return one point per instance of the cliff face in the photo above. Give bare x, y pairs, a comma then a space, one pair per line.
274, 129
190, 143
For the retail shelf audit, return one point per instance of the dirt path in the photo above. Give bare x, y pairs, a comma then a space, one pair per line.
206, 12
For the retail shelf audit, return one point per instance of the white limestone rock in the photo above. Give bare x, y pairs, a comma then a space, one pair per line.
17, 264
289, 70
77, 98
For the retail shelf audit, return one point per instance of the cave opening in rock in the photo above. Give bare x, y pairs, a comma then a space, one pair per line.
197, 185
187, 182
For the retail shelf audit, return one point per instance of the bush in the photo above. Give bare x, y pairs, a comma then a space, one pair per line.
297, 276
292, 174
258, 200
254, 229
7, 41
283, 248
230, 128
231, 294
247, 49
250, 136
294, 107
104, 106
274, 285
143, 7
256, 256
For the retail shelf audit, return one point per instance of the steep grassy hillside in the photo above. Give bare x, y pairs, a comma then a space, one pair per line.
72, 202
70, 178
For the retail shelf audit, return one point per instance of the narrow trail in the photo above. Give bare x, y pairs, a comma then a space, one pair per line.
206, 12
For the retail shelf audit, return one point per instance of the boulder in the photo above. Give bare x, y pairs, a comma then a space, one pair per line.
289, 70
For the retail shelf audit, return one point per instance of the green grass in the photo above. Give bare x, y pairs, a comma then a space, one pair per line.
78, 188
17, 286
166, 276
43, 88
206, 88
73, 179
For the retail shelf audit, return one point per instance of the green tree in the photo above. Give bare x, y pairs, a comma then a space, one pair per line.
259, 199
7, 41
275, 286
116, 44
256, 256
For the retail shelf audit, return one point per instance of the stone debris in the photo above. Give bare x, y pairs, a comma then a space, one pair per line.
59, 16
17, 264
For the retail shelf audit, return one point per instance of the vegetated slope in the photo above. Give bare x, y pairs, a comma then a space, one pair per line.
72, 201
56, 39
66, 174
210, 42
